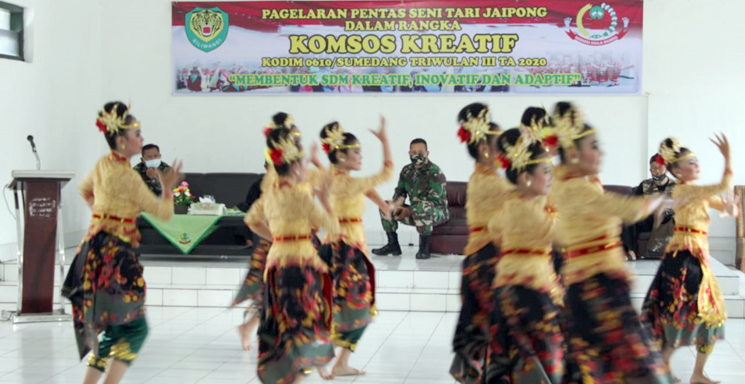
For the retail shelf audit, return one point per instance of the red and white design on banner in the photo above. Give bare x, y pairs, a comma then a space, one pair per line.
436, 46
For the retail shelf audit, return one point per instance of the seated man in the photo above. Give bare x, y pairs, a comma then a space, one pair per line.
254, 192
148, 166
424, 184
659, 183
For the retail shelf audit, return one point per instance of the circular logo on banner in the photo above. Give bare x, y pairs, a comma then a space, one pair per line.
206, 29
603, 14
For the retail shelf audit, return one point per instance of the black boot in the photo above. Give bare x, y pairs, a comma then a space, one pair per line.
392, 248
423, 247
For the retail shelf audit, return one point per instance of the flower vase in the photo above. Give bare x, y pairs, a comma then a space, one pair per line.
181, 209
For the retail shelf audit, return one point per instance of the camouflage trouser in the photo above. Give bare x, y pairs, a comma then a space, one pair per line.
424, 216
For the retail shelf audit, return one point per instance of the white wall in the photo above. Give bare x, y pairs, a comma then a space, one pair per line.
53, 98
224, 133
688, 75
691, 75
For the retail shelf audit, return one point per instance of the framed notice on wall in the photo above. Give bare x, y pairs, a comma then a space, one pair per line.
435, 46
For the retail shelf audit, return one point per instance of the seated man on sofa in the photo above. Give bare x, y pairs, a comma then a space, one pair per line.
148, 166
662, 229
253, 194
424, 184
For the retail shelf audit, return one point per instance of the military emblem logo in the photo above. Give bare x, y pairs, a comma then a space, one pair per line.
603, 12
206, 29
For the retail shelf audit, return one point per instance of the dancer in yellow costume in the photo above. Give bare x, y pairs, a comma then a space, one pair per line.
294, 333
485, 193
105, 283
253, 285
352, 271
685, 305
606, 340
527, 291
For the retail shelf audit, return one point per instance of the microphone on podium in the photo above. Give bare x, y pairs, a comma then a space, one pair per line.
30, 139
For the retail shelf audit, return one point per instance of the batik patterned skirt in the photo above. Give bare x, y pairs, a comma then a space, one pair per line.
354, 294
529, 330
253, 285
607, 342
471, 342
107, 291
294, 331
672, 304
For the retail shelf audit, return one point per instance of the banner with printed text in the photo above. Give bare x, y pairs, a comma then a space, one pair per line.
434, 46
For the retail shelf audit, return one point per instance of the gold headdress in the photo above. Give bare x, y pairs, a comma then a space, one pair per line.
284, 151
334, 139
569, 127
111, 123
537, 130
475, 128
670, 153
519, 156
287, 123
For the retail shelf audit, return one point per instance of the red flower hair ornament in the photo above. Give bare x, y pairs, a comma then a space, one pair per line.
474, 129
464, 135
503, 161
101, 126
276, 156
551, 142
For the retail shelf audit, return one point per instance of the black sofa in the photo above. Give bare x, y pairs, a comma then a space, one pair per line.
229, 237
452, 237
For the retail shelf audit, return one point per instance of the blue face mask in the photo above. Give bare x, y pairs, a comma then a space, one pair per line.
154, 163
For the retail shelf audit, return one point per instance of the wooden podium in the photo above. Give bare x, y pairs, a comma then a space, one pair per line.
38, 206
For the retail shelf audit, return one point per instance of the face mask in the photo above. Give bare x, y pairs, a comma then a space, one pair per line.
418, 159
658, 179
154, 163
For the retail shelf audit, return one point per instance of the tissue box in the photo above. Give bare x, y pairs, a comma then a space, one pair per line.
207, 209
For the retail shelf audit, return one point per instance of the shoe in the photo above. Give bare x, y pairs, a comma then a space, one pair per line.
392, 248
423, 247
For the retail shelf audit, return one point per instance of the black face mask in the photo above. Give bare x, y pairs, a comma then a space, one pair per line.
659, 179
418, 159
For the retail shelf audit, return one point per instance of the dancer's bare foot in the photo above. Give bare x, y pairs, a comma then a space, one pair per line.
245, 331
346, 371
325, 374
701, 379
675, 378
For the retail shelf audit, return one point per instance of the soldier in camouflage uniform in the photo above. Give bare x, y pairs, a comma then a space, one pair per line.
424, 184
148, 166
659, 183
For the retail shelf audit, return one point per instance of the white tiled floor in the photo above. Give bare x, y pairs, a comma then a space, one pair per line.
200, 345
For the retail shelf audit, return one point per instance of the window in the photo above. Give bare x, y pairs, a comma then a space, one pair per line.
11, 31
